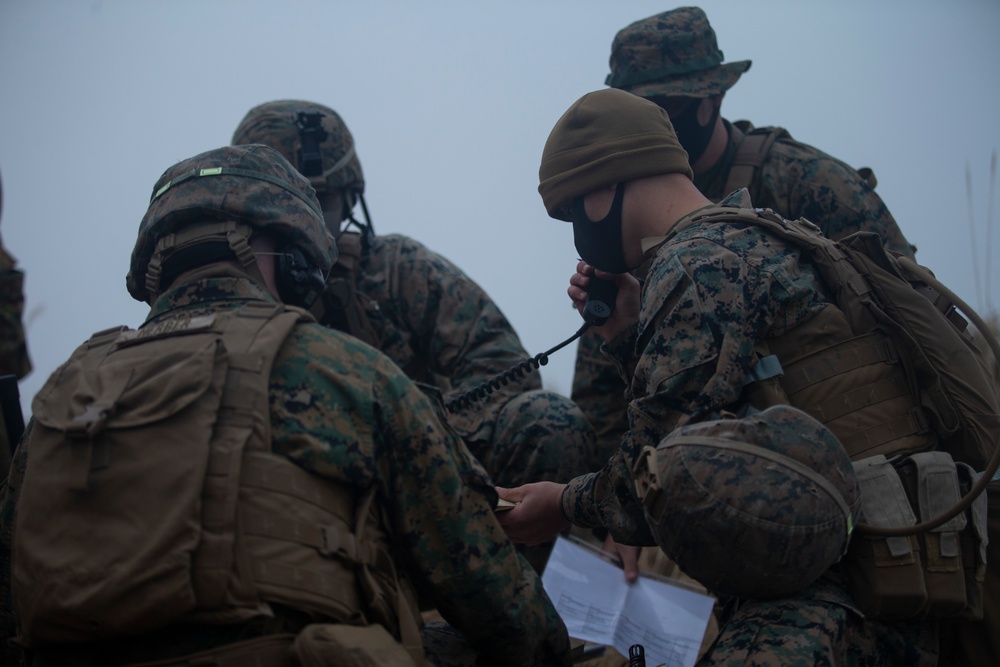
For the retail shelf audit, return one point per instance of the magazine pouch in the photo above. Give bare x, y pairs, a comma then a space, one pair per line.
937, 573
884, 573
931, 482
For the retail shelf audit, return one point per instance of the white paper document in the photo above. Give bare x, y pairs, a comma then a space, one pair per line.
599, 606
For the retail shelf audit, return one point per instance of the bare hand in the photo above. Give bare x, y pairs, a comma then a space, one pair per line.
628, 555
626, 306
538, 516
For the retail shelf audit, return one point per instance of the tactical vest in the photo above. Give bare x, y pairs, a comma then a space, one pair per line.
891, 371
884, 372
151, 496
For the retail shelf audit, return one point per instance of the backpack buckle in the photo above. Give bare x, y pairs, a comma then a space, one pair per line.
90, 423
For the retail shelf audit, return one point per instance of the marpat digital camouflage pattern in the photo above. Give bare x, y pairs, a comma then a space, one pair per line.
775, 487
274, 124
249, 184
713, 291
14, 358
675, 54
443, 330
436, 323
345, 412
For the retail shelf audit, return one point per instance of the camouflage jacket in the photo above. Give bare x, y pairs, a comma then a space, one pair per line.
795, 180
14, 358
439, 326
711, 293
799, 181
344, 411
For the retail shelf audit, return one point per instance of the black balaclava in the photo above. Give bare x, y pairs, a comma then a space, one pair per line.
600, 242
693, 136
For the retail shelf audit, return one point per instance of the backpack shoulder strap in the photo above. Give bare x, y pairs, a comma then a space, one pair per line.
342, 306
750, 155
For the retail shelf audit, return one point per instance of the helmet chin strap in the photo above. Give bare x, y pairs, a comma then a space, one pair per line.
366, 228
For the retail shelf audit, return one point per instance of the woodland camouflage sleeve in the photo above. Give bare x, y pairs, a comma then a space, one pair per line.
705, 304
599, 391
13, 348
441, 504
458, 329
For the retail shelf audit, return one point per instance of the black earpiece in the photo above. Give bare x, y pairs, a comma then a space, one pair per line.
299, 282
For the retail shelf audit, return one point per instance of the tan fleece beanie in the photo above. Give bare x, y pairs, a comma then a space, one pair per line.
608, 136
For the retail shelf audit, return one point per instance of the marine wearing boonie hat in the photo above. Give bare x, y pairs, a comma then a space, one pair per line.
607, 136
673, 54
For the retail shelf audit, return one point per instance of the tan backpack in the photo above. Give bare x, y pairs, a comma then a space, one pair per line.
151, 497
894, 374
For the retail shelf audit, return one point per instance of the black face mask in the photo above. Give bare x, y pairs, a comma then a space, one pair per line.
600, 242
693, 136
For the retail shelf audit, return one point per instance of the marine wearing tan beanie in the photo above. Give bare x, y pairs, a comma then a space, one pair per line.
606, 137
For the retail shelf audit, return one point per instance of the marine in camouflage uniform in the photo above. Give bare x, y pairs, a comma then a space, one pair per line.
673, 59
14, 358
422, 311
713, 290
345, 412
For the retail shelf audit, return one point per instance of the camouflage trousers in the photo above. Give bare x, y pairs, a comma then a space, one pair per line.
539, 435
819, 626
444, 646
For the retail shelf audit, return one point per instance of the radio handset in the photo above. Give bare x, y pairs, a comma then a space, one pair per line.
601, 295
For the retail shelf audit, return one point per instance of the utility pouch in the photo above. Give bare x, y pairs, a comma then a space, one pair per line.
937, 573
884, 573
974, 542
931, 480
340, 645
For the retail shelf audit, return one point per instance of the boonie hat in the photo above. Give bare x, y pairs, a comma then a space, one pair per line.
673, 54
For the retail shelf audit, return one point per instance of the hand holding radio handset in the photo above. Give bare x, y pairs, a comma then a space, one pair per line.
608, 301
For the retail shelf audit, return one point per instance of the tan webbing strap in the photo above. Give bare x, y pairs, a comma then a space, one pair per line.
291, 577
253, 337
294, 481
750, 156
762, 452
860, 398
868, 439
342, 293
406, 615
269, 651
349, 251
236, 234
849, 355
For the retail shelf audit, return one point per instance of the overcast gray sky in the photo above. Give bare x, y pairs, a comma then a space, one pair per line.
450, 104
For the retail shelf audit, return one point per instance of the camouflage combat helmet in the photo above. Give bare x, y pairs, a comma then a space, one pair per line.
757, 507
221, 197
673, 54
312, 137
